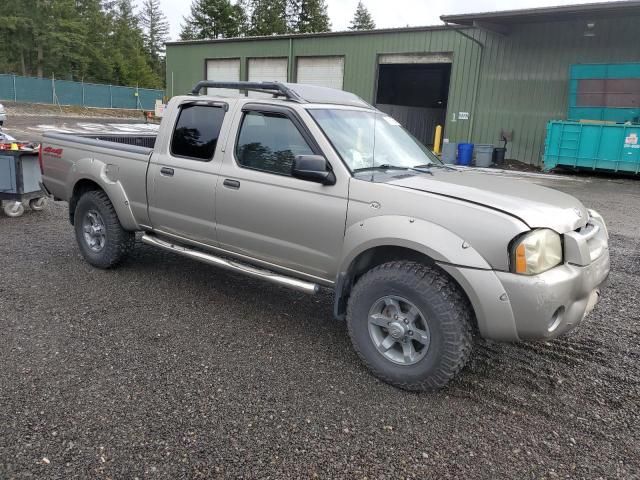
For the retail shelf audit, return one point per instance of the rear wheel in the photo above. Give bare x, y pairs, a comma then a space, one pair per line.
410, 325
102, 240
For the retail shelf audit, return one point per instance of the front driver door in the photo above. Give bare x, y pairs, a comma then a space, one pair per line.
263, 212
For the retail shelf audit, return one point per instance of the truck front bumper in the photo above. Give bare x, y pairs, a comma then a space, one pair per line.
511, 307
552, 303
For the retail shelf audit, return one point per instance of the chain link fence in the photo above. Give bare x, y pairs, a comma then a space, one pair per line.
65, 92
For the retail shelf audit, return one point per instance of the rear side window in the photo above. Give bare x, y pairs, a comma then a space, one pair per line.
196, 132
269, 142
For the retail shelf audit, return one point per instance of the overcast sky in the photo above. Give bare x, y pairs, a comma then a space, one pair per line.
388, 13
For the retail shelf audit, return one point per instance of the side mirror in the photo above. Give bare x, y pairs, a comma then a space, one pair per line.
314, 168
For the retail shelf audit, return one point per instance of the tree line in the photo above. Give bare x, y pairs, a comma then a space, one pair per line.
210, 19
110, 41
101, 41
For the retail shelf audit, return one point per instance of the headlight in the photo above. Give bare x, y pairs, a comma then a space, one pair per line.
537, 252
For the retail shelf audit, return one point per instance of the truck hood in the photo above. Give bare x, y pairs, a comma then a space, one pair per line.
538, 207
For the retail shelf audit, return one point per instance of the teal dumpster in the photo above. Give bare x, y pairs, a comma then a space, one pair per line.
596, 146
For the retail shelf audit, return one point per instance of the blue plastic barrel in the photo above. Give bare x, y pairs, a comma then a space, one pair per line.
465, 153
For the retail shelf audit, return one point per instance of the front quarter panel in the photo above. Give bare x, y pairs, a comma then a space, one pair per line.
416, 234
441, 225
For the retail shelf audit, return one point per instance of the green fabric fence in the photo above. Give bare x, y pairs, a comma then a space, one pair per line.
65, 92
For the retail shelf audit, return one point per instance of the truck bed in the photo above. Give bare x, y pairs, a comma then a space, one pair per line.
117, 162
119, 141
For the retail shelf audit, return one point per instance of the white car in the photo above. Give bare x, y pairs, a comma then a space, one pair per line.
3, 114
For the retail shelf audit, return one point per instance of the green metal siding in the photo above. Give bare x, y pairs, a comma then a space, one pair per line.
523, 79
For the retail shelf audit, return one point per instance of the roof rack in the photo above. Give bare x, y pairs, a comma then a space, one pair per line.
276, 88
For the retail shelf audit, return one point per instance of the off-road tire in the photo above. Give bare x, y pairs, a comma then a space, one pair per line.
445, 308
119, 242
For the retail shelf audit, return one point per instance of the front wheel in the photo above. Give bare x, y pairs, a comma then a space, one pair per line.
410, 325
102, 240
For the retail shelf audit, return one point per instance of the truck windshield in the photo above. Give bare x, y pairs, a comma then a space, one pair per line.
367, 140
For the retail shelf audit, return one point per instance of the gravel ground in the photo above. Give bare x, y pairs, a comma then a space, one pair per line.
167, 368
44, 109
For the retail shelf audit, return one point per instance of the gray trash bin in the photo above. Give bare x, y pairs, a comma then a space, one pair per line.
449, 153
484, 155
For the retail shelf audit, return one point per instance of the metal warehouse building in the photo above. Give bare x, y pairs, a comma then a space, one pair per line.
478, 75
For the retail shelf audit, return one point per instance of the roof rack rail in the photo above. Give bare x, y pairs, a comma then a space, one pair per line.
276, 88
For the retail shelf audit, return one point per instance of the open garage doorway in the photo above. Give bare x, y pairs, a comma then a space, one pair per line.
414, 89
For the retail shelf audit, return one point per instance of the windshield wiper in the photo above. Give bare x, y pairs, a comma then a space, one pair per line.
437, 165
384, 166
422, 169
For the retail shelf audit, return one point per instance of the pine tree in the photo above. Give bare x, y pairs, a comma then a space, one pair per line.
130, 62
16, 39
362, 19
39, 36
310, 16
268, 17
91, 40
210, 19
155, 28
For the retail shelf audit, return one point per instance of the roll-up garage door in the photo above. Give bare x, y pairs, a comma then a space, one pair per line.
321, 71
227, 70
267, 70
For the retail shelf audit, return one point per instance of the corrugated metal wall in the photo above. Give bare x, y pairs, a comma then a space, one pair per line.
525, 76
523, 79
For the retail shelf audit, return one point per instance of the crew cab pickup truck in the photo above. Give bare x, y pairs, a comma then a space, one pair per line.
312, 188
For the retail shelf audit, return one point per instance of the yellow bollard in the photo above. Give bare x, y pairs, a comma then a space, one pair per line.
437, 140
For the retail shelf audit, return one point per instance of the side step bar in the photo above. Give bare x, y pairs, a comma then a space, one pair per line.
233, 265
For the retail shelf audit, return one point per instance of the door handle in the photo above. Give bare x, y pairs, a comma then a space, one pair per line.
234, 184
166, 171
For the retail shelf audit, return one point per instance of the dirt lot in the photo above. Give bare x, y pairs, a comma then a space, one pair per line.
167, 368
42, 109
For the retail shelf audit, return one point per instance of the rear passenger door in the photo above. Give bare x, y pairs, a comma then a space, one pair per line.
182, 176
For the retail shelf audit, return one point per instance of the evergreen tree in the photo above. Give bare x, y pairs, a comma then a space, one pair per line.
91, 40
268, 17
155, 28
211, 19
130, 62
16, 40
93, 64
39, 36
362, 19
310, 16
